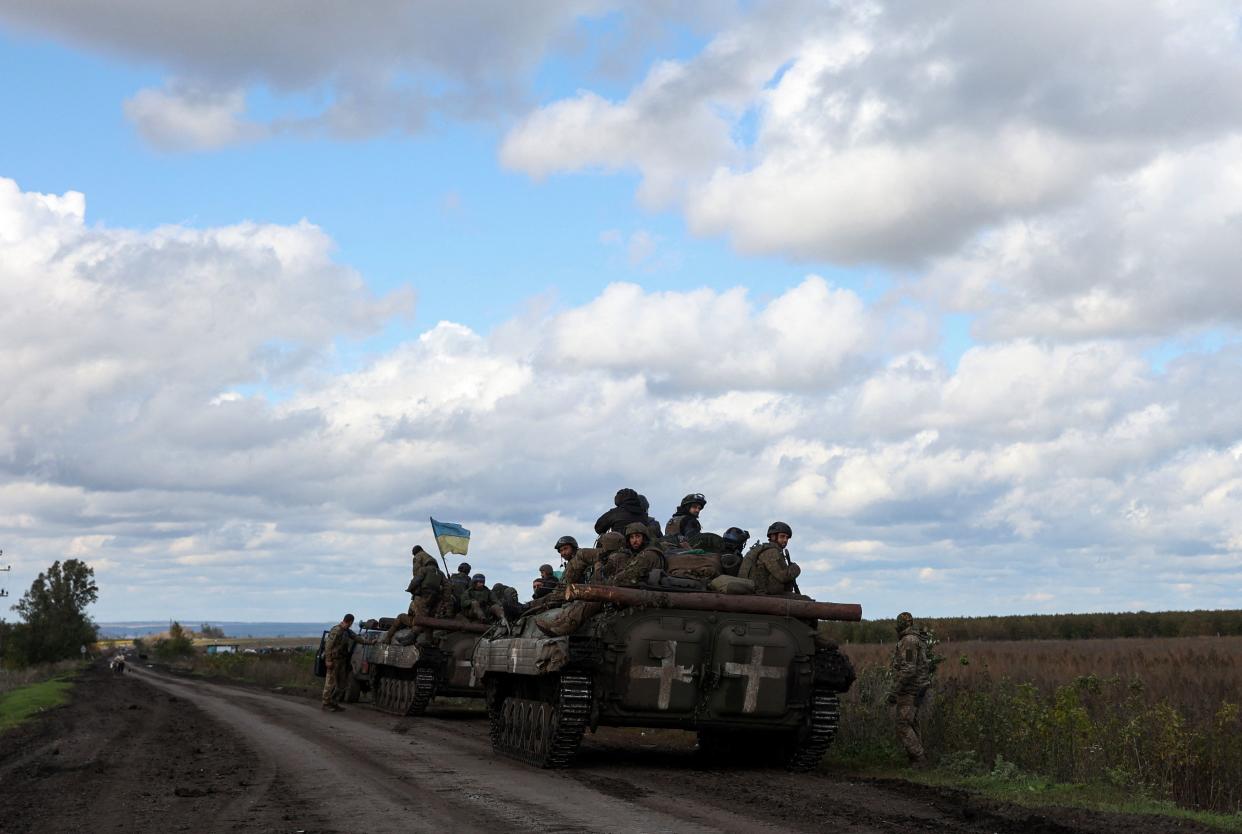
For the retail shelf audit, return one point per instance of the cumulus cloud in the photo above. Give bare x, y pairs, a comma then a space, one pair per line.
1152, 253
140, 434
387, 66
182, 118
861, 131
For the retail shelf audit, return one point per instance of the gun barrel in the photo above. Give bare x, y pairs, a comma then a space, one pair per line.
802, 609
450, 625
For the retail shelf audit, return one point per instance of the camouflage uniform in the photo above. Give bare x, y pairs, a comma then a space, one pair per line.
507, 597
478, 603
424, 591
769, 567
628, 566
587, 566
336, 649
911, 679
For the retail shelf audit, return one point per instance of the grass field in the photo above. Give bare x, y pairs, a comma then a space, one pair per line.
16, 705
1157, 719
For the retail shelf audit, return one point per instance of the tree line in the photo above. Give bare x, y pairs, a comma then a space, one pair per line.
54, 624
1052, 626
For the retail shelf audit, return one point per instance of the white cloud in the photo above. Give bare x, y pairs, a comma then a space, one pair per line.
181, 118
387, 66
134, 434
862, 131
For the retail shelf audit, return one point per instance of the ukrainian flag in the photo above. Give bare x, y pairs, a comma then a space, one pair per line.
450, 537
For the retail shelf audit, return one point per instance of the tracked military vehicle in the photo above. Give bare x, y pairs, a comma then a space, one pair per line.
403, 677
746, 672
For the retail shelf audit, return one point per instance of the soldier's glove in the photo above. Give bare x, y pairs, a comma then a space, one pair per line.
892, 698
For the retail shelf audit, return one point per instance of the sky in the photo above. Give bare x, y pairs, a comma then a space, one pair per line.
953, 289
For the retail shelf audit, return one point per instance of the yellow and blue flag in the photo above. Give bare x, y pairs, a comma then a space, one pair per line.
450, 537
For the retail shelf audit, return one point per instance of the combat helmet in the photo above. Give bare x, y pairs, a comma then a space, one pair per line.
905, 620
692, 498
464, 567
779, 527
737, 536
565, 540
478, 577
544, 567
638, 527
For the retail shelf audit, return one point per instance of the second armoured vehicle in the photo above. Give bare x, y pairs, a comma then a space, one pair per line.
746, 672
404, 676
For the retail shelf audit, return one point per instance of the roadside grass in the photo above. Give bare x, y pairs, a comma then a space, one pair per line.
17, 705
1151, 718
11, 679
287, 670
1005, 783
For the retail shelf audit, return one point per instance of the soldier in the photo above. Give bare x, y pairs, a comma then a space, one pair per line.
767, 564
640, 556
586, 564
424, 591
461, 579
507, 597
546, 583
336, 648
478, 604
630, 507
684, 525
911, 679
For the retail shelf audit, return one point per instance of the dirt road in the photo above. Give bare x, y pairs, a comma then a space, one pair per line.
153, 753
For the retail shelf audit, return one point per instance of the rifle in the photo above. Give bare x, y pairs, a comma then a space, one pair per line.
788, 563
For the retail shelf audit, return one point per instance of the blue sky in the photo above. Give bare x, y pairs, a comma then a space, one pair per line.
952, 312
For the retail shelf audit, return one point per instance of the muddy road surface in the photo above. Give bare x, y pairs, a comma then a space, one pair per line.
147, 752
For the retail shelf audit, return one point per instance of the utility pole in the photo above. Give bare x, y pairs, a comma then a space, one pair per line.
5, 569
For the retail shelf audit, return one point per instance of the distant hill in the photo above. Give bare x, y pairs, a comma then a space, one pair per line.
113, 631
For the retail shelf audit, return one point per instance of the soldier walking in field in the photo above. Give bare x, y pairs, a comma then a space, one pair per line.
911, 670
336, 649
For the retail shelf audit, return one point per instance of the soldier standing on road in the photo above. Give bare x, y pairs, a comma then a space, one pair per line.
911, 670
336, 649
767, 564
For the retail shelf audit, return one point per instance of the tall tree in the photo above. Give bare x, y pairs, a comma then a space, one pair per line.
56, 624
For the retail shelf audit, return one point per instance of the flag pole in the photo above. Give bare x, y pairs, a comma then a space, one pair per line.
438, 547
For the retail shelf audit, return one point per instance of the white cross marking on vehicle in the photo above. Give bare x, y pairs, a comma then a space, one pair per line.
513, 656
667, 672
754, 672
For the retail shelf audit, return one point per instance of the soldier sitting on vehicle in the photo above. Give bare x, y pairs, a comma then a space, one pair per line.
507, 597
767, 564
588, 562
461, 579
478, 603
546, 583
424, 590
631, 565
685, 525
588, 565
630, 507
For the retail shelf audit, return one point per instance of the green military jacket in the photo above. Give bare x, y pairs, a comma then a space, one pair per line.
338, 644
911, 667
769, 568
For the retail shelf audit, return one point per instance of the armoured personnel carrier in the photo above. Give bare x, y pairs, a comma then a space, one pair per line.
403, 677
745, 671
